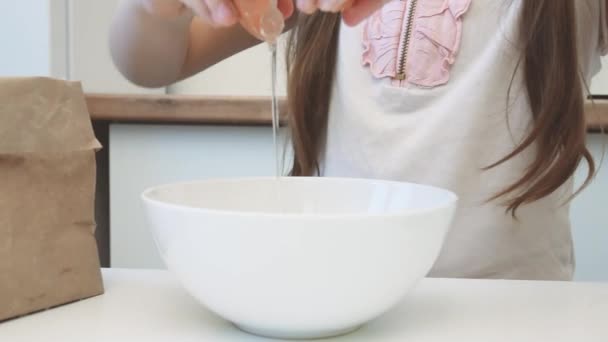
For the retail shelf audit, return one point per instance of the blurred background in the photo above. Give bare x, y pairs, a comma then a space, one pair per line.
67, 39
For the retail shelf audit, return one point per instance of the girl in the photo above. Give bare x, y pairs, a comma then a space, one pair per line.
481, 97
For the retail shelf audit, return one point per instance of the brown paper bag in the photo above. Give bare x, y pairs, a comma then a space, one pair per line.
48, 253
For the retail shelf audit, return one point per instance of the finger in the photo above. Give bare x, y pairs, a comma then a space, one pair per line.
223, 12
200, 9
360, 10
286, 7
348, 5
307, 6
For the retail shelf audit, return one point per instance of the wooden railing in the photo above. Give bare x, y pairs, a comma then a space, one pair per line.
236, 110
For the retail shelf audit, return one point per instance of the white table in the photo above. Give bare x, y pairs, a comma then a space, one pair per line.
150, 306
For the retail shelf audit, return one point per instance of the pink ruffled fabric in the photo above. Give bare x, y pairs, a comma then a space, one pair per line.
436, 35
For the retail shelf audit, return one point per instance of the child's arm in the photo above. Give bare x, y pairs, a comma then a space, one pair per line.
155, 43
154, 47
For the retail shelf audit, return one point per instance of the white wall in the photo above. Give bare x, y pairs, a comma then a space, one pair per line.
143, 156
63, 39
59, 32
600, 82
246, 74
590, 218
25, 38
89, 59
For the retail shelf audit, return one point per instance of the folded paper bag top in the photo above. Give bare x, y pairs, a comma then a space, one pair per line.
48, 252
43, 115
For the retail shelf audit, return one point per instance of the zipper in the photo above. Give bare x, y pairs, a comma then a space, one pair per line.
406, 39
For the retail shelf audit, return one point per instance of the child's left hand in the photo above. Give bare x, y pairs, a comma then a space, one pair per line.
353, 11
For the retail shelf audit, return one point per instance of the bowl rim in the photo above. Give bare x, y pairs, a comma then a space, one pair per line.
452, 199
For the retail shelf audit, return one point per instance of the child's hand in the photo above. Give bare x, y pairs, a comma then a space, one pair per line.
353, 11
213, 12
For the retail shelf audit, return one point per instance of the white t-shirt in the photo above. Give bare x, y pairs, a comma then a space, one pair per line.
447, 121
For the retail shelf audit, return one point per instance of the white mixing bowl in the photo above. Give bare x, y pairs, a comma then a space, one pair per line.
299, 257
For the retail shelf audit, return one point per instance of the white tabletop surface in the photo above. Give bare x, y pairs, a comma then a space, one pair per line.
150, 306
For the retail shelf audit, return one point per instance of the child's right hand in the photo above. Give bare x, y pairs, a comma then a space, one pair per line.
213, 12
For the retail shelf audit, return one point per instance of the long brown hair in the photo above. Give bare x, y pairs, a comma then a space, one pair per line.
549, 61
